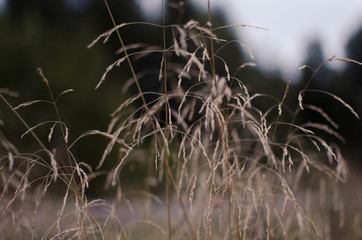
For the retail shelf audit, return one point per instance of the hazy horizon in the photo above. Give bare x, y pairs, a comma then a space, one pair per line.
291, 28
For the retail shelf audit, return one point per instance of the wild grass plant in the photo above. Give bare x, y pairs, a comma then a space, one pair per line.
217, 166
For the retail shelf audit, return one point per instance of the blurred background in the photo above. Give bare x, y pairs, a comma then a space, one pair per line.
54, 35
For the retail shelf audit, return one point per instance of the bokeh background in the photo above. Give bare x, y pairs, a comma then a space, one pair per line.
54, 35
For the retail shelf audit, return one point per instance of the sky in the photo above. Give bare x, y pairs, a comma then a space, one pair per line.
291, 25
2, 4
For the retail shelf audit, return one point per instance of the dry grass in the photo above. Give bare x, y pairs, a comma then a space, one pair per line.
228, 169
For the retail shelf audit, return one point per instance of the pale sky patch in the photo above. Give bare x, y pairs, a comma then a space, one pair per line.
292, 26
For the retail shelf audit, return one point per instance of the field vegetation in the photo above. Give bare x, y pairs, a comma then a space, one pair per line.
191, 150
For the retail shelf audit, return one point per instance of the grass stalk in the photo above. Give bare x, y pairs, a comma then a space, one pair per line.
134, 75
169, 175
62, 128
280, 109
166, 160
63, 176
304, 90
37, 139
213, 64
223, 133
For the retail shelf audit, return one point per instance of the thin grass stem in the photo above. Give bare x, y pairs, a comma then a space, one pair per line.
166, 160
